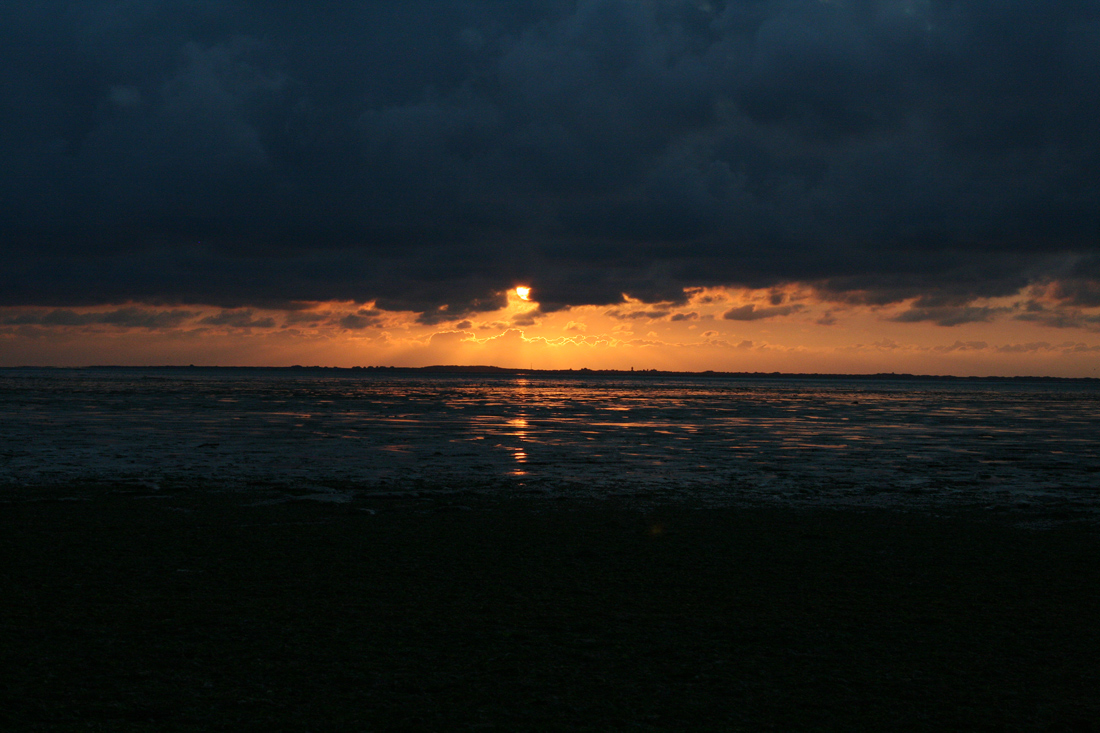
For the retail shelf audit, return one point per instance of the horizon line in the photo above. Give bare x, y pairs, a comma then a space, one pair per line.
490, 369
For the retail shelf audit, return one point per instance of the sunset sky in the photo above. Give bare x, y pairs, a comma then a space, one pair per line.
749, 185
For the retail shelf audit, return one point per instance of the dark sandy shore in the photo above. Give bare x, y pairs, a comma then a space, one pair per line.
196, 612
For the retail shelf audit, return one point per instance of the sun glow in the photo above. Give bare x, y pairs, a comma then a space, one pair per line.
722, 329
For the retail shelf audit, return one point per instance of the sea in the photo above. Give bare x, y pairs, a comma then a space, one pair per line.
342, 435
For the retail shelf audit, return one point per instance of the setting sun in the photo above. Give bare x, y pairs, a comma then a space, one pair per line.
523, 293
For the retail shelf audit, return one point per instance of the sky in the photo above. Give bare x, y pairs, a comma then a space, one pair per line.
851, 186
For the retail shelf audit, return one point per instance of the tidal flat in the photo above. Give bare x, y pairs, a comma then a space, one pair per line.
198, 611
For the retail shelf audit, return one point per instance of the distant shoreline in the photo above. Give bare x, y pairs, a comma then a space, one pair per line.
486, 370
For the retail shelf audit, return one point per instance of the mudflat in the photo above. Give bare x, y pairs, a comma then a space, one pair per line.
200, 611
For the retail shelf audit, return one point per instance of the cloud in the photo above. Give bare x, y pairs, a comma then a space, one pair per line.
359, 321
238, 319
1066, 347
121, 318
309, 318
950, 315
527, 318
444, 338
963, 346
651, 315
751, 313
1028, 348
1079, 348
1079, 292
420, 155
1058, 317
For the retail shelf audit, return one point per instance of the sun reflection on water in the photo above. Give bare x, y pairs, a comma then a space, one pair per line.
519, 453
577, 434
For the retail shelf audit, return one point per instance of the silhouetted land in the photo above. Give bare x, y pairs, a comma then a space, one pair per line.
507, 371
195, 612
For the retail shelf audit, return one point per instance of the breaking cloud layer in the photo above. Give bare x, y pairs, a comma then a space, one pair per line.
420, 155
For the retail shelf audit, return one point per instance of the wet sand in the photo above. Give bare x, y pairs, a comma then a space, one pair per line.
862, 443
193, 612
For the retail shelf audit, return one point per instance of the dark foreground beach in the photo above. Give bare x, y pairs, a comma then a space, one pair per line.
197, 611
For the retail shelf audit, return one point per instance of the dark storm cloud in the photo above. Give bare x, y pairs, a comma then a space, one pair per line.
427, 154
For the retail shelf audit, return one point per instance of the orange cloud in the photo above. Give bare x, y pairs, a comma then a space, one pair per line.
721, 329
